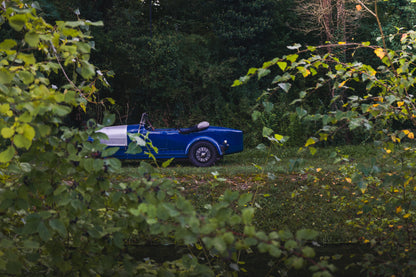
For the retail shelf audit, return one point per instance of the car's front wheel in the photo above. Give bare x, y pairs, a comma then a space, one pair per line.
203, 153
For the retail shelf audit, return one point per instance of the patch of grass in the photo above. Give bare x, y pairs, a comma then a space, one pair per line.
293, 193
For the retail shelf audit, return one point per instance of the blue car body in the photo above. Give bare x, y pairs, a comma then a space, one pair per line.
202, 144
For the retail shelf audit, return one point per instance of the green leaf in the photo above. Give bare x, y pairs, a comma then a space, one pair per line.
98, 164
86, 70
297, 263
58, 226
291, 244
118, 240
285, 86
247, 215
43, 231
308, 252
21, 141
219, 244
230, 196
312, 150
26, 77
267, 132
109, 119
109, 151
133, 148
61, 110
255, 115
306, 234
74, 24
29, 59
30, 244
268, 106
244, 199
18, 21
263, 72
8, 44
5, 76
95, 23
83, 47
275, 251
28, 132
113, 163
32, 38
301, 112
7, 155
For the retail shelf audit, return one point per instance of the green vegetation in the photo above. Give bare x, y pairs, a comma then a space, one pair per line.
63, 211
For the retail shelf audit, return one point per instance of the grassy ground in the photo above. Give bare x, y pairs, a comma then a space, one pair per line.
293, 193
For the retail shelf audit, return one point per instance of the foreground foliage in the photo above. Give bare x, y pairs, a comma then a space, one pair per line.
62, 209
365, 99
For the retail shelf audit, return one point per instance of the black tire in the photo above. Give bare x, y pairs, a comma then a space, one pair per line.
203, 153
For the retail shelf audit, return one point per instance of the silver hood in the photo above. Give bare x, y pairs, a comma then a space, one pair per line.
117, 135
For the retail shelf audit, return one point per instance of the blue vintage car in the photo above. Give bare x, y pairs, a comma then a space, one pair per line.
202, 144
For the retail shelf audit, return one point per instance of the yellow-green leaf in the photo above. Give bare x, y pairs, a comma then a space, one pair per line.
282, 65
278, 137
18, 21
310, 141
292, 57
28, 132
4, 108
7, 155
21, 141
7, 132
8, 44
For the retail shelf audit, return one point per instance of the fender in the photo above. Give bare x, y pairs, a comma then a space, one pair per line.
220, 152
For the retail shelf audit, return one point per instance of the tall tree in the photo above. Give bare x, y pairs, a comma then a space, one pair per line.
331, 20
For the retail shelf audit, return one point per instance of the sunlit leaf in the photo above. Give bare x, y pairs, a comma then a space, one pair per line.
282, 65
380, 53
295, 46
310, 141
285, 86
7, 132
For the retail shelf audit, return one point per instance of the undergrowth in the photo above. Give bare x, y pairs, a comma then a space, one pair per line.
296, 192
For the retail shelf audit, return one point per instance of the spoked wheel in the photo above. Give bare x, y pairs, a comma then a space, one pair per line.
203, 153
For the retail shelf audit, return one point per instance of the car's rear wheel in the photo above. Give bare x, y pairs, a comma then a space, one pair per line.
203, 153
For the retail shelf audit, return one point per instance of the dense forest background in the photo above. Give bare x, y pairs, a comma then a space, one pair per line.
177, 59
